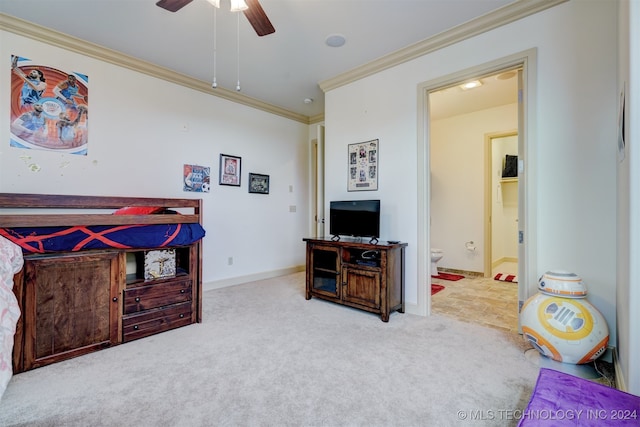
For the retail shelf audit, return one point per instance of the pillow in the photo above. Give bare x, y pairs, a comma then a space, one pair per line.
138, 210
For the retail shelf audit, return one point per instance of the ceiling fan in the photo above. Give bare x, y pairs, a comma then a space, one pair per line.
255, 14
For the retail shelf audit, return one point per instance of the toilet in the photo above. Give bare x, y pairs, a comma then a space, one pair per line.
436, 255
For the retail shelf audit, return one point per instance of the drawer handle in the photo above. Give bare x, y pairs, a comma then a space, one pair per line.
136, 327
182, 291
181, 315
115, 299
137, 299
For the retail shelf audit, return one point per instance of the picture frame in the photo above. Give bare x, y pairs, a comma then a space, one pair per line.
258, 183
196, 178
363, 166
230, 169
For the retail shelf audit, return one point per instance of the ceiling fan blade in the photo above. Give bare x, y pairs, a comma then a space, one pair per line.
173, 5
258, 19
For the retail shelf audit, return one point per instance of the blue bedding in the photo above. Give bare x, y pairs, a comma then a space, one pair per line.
71, 239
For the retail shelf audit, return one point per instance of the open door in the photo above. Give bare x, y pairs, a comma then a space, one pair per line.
319, 182
524, 288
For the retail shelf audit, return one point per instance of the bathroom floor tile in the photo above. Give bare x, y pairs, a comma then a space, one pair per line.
479, 300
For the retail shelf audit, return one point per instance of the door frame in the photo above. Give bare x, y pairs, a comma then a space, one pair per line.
316, 184
527, 265
489, 192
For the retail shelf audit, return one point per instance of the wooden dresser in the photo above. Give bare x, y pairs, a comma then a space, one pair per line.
158, 305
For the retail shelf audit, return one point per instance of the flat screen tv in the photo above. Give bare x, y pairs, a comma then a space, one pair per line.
357, 218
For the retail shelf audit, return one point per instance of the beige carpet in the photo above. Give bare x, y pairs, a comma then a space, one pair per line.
264, 356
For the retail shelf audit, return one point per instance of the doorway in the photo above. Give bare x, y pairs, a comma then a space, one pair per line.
316, 180
501, 205
473, 204
524, 66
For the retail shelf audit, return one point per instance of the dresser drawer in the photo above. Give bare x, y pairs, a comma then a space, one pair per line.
157, 320
156, 295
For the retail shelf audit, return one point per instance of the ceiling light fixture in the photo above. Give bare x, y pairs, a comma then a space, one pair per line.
471, 85
308, 100
236, 6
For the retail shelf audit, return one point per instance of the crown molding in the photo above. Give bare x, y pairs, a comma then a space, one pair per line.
73, 44
502, 16
316, 119
506, 14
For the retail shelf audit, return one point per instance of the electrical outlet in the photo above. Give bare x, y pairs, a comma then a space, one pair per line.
230, 261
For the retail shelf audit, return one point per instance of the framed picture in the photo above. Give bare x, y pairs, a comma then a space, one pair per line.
258, 183
363, 166
230, 167
196, 178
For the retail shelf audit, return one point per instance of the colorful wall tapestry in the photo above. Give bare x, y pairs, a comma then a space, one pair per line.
49, 108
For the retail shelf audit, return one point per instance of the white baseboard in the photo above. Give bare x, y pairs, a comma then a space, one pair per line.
231, 281
620, 384
496, 263
412, 309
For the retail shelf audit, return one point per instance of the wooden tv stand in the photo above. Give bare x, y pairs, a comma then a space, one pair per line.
357, 273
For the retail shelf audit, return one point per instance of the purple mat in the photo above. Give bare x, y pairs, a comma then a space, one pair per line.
561, 399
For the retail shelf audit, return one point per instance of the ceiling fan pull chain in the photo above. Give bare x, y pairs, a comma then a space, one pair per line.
215, 47
238, 36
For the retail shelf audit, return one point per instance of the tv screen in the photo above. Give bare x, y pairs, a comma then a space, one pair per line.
357, 218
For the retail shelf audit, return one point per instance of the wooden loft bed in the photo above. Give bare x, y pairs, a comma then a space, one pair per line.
75, 203
105, 267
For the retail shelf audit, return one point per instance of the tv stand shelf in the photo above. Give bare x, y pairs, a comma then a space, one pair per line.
364, 275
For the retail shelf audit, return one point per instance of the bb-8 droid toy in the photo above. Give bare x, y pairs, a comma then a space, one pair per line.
560, 323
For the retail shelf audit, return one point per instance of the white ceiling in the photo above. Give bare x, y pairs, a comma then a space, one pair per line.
281, 69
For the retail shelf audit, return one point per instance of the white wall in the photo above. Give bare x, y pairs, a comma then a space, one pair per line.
457, 183
628, 203
137, 147
574, 167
